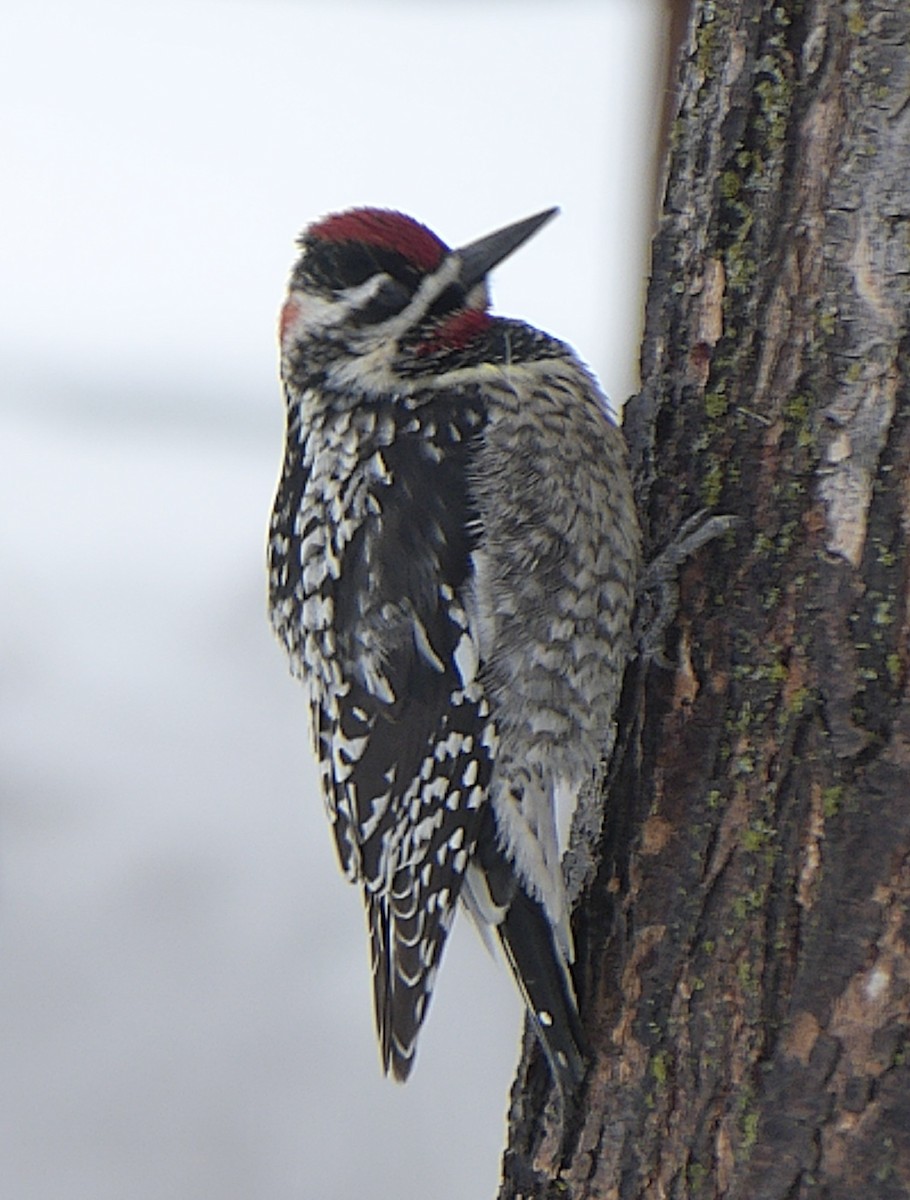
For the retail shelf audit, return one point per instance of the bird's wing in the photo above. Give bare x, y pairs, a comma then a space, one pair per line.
407, 739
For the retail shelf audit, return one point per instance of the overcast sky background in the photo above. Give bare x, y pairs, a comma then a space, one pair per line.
184, 984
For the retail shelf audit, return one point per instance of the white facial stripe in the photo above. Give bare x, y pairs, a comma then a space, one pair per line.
305, 313
371, 368
429, 289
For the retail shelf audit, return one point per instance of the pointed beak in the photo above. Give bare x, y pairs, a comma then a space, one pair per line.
483, 255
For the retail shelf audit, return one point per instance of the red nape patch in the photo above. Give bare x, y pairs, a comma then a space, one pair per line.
290, 310
386, 230
455, 332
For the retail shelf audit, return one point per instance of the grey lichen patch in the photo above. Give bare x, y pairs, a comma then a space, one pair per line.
867, 275
863, 408
861, 415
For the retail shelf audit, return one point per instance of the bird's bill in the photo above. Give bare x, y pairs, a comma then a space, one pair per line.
482, 256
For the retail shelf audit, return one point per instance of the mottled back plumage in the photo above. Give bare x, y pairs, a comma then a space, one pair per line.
452, 559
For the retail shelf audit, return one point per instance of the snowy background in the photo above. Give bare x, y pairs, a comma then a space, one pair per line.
184, 988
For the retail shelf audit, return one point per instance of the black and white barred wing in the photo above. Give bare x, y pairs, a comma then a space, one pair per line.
404, 734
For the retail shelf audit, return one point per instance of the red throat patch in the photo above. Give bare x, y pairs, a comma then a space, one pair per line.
385, 230
455, 332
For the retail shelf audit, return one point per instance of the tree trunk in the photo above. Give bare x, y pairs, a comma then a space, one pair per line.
743, 968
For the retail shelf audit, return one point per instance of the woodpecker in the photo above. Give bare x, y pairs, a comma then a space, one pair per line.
452, 553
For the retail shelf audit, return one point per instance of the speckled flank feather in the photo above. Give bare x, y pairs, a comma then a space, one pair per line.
452, 561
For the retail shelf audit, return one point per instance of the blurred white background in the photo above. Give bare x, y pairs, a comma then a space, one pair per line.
184, 983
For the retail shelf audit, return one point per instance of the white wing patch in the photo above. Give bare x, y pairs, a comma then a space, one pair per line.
466, 660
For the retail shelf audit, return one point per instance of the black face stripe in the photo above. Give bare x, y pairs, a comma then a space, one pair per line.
448, 300
352, 266
333, 267
391, 298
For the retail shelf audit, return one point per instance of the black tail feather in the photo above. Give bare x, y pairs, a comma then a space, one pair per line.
404, 965
544, 982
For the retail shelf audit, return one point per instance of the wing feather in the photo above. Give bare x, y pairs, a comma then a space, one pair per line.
406, 736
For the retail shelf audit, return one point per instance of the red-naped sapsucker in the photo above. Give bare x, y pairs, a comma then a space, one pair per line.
452, 562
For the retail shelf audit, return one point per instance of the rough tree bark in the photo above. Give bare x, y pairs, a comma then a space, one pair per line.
744, 971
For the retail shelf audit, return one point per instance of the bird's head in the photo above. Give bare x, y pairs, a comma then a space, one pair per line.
371, 284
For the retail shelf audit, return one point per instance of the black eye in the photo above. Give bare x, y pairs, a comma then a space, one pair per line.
388, 302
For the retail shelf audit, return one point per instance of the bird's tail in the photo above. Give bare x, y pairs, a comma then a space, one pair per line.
406, 943
544, 981
495, 897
